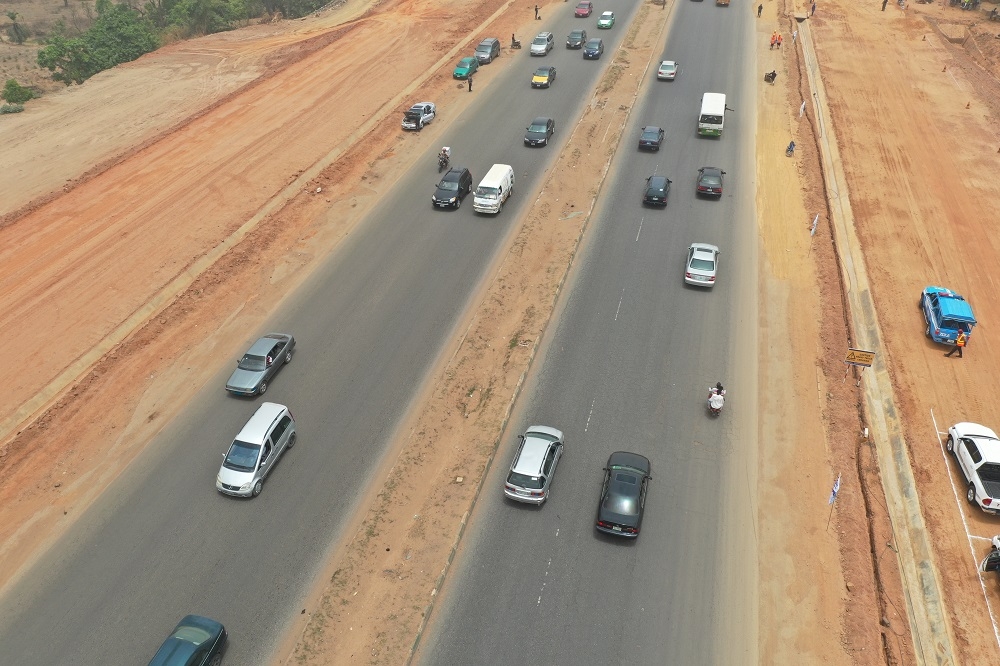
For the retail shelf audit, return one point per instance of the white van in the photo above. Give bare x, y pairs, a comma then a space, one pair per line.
494, 189
713, 114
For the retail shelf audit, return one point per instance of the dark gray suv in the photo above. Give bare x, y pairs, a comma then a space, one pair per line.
487, 50
453, 188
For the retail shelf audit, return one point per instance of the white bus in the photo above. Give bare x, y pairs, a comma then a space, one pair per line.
713, 114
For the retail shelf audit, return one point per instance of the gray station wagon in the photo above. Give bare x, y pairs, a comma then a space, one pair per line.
530, 476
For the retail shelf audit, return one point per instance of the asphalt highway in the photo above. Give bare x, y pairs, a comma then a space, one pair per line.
627, 367
161, 543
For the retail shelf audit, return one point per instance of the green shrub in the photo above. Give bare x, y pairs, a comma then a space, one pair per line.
15, 93
11, 108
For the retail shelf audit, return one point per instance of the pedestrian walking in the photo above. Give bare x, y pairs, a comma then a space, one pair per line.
779, 41
795, 33
813, 10
536, 13
884, 3
802, 109
470, 83
960, 341
760, 8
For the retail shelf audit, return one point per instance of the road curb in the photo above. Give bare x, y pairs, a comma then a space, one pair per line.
929, 623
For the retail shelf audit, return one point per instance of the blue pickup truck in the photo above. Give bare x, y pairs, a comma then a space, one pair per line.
946, 313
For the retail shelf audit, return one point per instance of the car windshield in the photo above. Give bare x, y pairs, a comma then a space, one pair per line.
703, 264
252, 363
193, 635
542, 71
490, 192
483, 48
650, 134
449, 185
576, 34
593, 44
525, 481
539, 41
537, 128
242, 456
583, 5
465, 62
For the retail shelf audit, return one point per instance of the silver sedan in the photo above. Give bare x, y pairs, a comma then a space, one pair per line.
260, 363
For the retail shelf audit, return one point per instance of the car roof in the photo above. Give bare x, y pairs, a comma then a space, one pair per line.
650, 128
658, 180
953, 306
626, 459
986, 440
420, 105
543, 34
608, 14
454, 173
540, 120
256, 428
469, 59
711, 171
594, 40
178, 650
264, 344
488, 41
532, 455
668, 63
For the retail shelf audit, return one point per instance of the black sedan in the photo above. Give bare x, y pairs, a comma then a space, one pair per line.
623, 496
657, 190
539, 131
260, 363
195, 641
651, 138
710, 181
576, 39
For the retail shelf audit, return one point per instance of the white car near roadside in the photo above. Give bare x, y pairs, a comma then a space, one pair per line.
702, 265
419, 115
977, 450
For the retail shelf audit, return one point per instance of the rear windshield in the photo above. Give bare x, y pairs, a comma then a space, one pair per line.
702, 264
989, 472
711, 120
525, 481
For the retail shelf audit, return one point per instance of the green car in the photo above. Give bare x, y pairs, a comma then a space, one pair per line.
606, 21
466, 67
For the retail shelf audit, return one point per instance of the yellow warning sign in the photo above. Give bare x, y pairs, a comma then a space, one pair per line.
860, 357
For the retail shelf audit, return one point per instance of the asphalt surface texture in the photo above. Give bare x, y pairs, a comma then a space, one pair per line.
161, 542
627, 366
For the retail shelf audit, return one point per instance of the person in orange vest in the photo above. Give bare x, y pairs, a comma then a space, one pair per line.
960, 341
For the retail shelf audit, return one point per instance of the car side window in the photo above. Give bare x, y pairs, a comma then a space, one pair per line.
277, 349
973, 450
547, 467
279, 428
267, 452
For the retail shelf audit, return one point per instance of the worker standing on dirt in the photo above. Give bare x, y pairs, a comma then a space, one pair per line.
470, 83
960, 341
760, 8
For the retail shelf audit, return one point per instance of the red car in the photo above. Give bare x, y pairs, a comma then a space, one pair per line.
584, 9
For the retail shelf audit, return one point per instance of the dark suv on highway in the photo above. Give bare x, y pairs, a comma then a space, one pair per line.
453, 188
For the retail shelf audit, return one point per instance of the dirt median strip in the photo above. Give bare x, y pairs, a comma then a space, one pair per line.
386, 580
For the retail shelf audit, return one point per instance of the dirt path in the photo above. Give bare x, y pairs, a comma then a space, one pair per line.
144, 167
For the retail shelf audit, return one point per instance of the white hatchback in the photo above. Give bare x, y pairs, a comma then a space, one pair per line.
702, 265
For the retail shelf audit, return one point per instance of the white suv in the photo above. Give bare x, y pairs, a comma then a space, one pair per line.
542, 44
977, 450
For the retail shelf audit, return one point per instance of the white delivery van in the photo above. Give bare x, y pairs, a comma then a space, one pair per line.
713, 114
494, 189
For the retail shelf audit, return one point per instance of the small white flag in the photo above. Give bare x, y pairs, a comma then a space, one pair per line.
836, 489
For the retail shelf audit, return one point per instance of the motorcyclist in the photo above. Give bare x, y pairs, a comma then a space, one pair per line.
791, 148
445, 153
715, 397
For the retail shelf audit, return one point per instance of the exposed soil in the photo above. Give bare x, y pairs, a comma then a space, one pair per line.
246, 128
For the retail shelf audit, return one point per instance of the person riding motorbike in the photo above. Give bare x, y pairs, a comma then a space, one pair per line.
716, 398
444, 157
791, 149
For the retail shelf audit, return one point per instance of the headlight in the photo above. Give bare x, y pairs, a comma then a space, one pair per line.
453, 200
246, 486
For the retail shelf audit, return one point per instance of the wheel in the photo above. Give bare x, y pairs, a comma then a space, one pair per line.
288, 357
458, 203
262, 388
420, 125
971, 495
216, 660
291, 440
257, 487
950, 444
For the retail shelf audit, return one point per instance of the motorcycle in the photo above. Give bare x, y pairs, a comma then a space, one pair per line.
442, 162
770, 77
790, 150
716, 399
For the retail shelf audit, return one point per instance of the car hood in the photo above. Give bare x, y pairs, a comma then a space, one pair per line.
232, 477
445, 195
245, 380
535, 135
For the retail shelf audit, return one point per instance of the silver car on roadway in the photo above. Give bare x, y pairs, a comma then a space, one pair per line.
260, 363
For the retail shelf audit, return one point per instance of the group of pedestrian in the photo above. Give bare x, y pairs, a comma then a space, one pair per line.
775, 39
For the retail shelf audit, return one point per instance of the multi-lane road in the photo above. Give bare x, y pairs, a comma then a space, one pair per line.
627, 366
161, 543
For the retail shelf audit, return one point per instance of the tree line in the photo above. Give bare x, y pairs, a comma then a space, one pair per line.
123, 32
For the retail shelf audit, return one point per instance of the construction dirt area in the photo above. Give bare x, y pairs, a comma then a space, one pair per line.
189, 190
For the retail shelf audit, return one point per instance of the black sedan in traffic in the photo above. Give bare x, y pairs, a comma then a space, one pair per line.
195, 641
710, 181
651, 138
657, 190
623, 495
